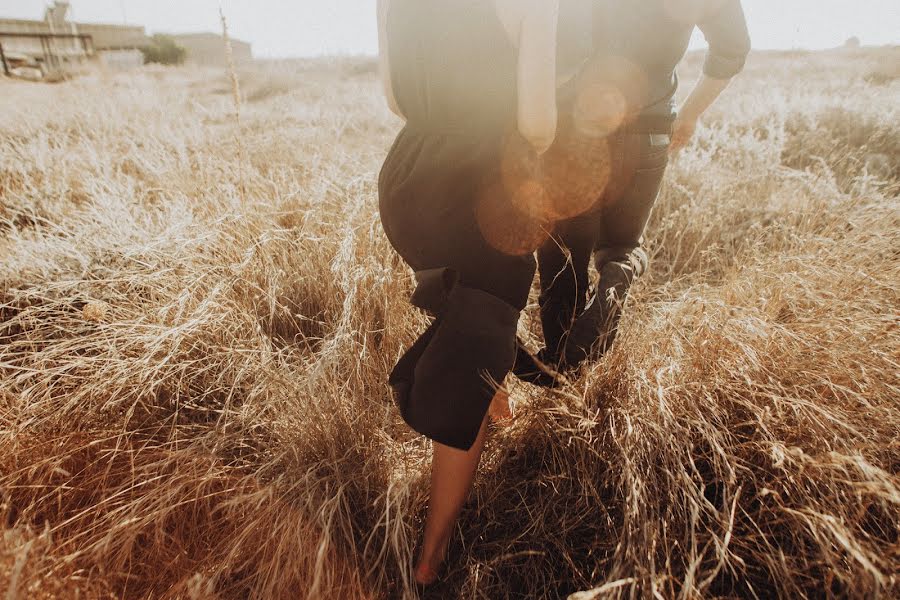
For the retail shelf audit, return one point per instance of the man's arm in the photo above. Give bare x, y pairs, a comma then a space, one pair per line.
701, 97
725, 29
384, 67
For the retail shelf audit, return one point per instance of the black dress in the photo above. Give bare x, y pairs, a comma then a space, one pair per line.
448, 212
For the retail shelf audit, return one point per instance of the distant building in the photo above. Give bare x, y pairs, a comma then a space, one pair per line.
56, 42
209, 49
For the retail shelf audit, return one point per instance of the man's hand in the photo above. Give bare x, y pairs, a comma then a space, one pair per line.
700, 98
682, 132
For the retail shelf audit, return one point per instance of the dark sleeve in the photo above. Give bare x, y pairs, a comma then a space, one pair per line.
729, 41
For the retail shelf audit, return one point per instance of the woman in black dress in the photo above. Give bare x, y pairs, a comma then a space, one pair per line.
472, 79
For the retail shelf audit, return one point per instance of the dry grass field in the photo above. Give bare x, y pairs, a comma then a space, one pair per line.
197, 315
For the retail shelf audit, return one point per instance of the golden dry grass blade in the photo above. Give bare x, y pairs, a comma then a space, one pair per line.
197, 317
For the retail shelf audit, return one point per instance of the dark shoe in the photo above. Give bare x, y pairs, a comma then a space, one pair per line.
539, 369
595, 329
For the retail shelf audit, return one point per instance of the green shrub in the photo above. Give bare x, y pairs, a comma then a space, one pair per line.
164, 50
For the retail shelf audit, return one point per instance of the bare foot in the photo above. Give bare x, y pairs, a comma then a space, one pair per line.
425, 575
426, 571
499, 409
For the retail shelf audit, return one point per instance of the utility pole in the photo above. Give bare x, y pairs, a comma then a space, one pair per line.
124, 14
3, 60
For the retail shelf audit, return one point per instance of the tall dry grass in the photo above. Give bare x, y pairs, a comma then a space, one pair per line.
192, 387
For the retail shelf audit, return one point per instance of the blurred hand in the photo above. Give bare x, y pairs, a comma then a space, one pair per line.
540, 143
682, 131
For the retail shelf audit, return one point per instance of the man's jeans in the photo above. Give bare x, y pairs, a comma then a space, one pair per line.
577, 320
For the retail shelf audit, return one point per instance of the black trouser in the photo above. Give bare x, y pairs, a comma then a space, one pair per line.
576, 319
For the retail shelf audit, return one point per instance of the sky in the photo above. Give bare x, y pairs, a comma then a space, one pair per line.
285, 28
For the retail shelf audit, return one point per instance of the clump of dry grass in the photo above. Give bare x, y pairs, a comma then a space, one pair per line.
848, 142
192, 394
885, 66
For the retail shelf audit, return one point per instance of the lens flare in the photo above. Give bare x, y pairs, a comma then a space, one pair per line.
567, 180
522, 179
611, 91
503, 225
530, 199
599, 109
576, 173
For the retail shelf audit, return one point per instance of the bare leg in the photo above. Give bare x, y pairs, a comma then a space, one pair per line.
452, 473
